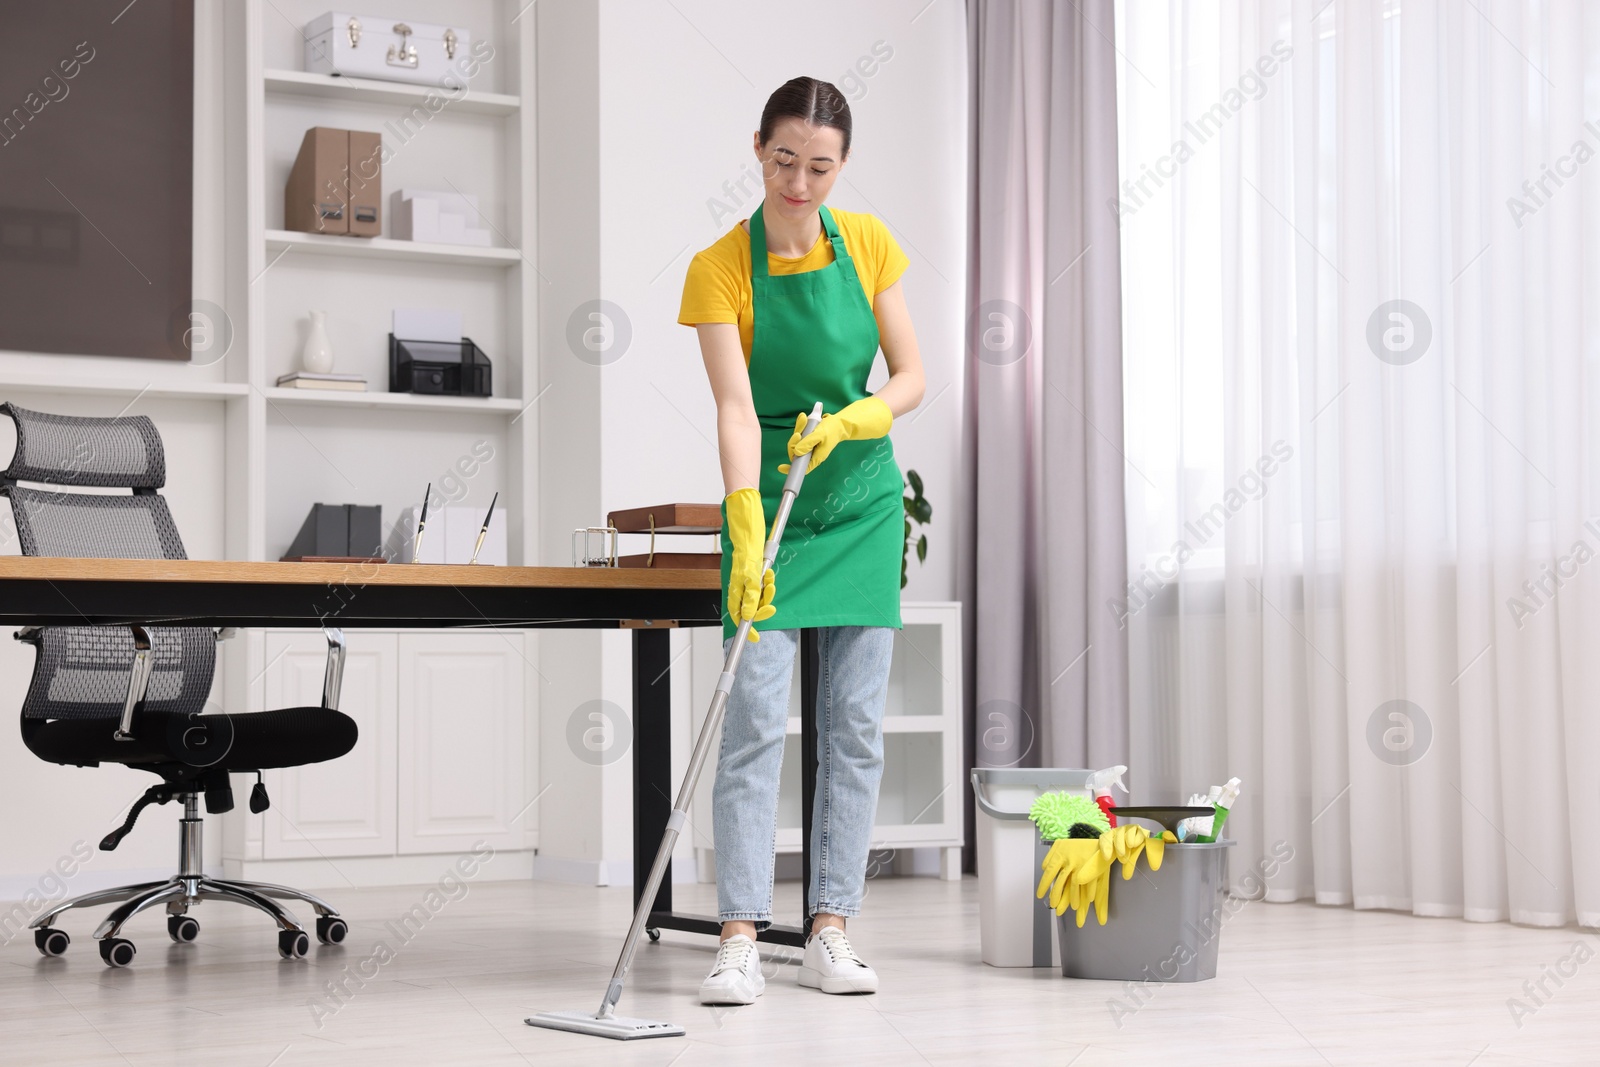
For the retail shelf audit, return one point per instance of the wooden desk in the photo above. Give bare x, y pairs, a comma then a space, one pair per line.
54, 591
41, 591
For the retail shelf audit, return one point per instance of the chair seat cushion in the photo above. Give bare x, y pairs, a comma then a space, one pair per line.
257, 741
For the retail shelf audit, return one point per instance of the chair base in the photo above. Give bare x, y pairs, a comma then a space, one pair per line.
180, 893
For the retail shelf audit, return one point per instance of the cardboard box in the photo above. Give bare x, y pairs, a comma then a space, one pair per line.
336, 184
366, 183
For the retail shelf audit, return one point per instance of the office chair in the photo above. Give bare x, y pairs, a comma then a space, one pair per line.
134, 694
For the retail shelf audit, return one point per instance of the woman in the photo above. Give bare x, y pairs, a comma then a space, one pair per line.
791, 306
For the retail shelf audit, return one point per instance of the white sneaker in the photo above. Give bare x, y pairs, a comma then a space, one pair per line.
736, 976
832, 966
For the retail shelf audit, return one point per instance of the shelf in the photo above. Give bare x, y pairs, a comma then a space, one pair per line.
408, 401
372, 91
387, 248
89, 386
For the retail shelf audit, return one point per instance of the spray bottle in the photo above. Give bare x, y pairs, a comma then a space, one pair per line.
1196, 825
1225, 800
1101, 782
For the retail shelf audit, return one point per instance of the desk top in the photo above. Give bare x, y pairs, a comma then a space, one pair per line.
44, 591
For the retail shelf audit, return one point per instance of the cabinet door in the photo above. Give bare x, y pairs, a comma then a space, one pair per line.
461, 741
345, 807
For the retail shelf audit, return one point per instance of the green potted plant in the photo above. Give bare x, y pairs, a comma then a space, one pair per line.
918, 509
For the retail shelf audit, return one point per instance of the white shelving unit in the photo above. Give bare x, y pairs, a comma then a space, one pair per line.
368, 91
288, 449
922, 799
282, 242
131, 388
407, 401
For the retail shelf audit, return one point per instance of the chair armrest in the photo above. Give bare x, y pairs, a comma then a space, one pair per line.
138, 682
333, 675
30, 634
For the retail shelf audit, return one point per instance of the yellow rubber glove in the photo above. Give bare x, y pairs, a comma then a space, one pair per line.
1156, 848
863, 420
1058, 864
1066, 855
750, 591
1092, 882
1125, 842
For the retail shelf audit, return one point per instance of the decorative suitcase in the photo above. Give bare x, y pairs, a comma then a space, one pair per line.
370, 46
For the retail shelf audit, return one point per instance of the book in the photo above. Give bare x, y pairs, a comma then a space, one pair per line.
353, 383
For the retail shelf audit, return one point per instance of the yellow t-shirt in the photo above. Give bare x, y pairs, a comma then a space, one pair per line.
717, 286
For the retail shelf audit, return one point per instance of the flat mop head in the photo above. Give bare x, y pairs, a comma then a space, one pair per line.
616, 1027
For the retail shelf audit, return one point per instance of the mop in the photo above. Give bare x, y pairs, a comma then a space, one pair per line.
605, 1022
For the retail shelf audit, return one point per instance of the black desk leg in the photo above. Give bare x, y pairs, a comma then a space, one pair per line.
652, 758
654, 789
810, 663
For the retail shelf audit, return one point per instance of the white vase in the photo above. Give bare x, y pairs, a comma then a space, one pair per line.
317, 356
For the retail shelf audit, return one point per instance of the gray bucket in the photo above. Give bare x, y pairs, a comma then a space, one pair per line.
1013, 927
1161, 926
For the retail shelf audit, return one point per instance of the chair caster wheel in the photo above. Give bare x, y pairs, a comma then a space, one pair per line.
293, 944
51, 942
331, 929
652, 933
116, 951
182, 928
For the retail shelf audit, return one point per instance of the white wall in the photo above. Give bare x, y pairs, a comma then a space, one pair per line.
47, 807
680, 91
644, 112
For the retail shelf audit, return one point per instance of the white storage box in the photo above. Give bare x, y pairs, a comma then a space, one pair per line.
439, 218
375, 46
1016, 929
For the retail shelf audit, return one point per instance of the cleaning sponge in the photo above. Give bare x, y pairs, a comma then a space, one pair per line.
1059, 815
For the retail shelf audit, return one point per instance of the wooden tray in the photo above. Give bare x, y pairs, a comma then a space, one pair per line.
688, 561
669, 519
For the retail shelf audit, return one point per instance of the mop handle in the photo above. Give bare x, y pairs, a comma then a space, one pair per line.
702, 746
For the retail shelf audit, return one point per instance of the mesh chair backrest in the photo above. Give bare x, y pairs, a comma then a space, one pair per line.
124, 452
94, 525
82, 671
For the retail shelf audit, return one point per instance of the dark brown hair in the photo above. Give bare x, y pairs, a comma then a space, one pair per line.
818, 103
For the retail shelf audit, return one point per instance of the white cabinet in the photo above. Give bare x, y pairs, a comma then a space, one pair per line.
921, 799
346, 806
440, 765
460, 752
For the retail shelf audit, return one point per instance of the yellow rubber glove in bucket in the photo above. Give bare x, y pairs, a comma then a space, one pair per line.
1076, 874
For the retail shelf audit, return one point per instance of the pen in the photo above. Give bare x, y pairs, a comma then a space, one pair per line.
483, 532
416, 545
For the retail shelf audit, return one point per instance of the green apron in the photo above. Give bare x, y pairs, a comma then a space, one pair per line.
815, 338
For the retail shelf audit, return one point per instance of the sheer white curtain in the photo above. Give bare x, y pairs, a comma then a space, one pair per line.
1361, 278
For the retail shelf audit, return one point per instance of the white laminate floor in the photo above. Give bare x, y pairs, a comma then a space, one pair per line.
1297, 984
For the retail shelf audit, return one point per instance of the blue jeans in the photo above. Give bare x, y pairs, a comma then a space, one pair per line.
851, 687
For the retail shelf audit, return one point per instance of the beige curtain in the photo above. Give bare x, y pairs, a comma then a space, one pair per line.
1046, 545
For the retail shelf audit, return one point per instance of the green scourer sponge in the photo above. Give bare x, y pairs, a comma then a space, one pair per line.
1055, 814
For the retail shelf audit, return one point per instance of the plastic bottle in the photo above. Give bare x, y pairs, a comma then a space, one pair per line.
1101, 782
1195, 823
1226, 798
